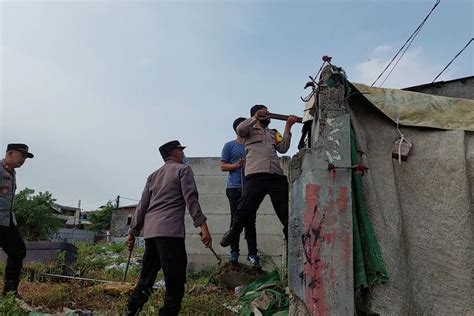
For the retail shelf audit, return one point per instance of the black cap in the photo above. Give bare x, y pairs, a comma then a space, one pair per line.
168, 147
21, 148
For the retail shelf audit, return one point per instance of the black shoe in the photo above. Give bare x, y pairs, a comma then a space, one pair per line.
255, 261
234, 257
10, 287
227, 239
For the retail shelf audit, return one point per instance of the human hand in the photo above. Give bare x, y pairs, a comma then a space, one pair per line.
291, 120
261, 114
240, 163
206, 238
130, 242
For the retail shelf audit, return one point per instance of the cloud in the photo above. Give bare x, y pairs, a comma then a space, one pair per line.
414, 68
382, 49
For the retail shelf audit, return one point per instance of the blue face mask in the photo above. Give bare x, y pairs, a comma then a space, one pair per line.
185, 159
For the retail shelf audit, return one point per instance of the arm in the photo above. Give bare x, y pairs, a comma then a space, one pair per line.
226, 157
205, 235
283, 146
138, 217
244, 128
225, 166
191, 196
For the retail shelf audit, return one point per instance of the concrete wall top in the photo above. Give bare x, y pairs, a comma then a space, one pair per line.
462, 88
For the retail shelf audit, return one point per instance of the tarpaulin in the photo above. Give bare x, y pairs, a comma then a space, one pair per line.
420, 109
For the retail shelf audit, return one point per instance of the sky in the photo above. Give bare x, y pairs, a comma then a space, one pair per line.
95, 87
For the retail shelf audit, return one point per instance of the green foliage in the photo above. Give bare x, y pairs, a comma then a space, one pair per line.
34, 214
34, 270
84, 249
100, 219
9, 306
117, 247
92, 259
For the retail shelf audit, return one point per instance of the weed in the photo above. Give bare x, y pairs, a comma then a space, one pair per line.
9, 306
117, 247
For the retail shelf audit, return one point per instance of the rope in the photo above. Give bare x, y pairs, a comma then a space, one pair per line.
400, 140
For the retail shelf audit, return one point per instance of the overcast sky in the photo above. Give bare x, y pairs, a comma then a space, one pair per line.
94, 87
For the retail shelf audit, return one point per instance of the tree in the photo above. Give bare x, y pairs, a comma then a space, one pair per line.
34, 214
100, 219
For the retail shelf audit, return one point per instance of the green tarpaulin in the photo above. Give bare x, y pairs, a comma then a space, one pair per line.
265, 294
369, 267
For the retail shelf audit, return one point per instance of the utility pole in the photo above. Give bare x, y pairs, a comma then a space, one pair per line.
118, 201
320, 227
79, 215
74, 221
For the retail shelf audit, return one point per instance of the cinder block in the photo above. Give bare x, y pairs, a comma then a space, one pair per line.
219, 223
211, 184
269, 245
206, 166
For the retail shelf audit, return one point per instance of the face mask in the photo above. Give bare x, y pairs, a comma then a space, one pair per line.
265, 123
185, 159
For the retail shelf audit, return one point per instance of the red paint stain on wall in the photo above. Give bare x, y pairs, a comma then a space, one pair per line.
346, 232
312, 239
322, 229
343, 200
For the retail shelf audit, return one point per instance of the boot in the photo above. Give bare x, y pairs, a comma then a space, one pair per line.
228, 238
11, 286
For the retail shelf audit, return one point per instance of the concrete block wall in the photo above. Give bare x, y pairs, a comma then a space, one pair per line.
211, 183
458, 88
118, 222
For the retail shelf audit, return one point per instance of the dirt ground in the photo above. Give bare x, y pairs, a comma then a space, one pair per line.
206, 293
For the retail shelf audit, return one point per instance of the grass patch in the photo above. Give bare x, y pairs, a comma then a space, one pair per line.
51, 295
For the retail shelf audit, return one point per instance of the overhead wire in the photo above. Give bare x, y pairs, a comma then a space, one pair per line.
408, 42
399, 58
468, 43
96, 201
124, 198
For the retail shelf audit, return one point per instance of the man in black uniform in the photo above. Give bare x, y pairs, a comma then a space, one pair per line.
10, 238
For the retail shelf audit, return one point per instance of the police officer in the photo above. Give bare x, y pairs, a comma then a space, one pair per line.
10, 239
263, 173
160, 215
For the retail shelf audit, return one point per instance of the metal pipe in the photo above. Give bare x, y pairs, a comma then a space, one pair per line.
77, 278
128, 264
282, 117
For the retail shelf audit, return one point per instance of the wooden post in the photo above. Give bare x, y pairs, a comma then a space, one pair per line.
320, 268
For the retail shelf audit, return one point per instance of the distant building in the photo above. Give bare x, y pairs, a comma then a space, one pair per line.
120, 220
84, 218
69, 215
73, 221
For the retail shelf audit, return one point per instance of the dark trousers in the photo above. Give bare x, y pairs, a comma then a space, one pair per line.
12, 243
306, 130
234, 195
255, 188
169, 254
